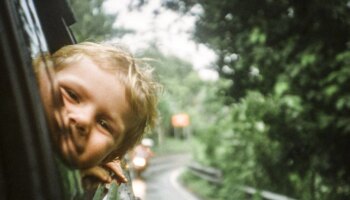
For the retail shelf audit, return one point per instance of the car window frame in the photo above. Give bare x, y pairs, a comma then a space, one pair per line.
28, 165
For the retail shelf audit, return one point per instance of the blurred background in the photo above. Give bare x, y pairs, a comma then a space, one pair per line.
256, 93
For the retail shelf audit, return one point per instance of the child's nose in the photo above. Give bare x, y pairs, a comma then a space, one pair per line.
81, 119
82, 122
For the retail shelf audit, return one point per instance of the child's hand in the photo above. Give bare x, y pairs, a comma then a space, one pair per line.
105, 173
116, 168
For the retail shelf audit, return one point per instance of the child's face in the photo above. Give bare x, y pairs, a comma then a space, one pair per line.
95, 109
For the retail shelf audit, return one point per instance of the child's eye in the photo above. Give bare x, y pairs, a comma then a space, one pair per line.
103, 123
72, 95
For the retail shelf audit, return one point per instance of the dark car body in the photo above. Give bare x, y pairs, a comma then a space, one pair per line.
28, 28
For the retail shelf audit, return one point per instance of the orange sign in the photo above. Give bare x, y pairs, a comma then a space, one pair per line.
180, 120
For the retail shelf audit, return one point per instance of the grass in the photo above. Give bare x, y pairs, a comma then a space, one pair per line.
208, 191
173, 146
199, 187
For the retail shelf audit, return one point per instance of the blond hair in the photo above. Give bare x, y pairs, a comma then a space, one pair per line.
135, 75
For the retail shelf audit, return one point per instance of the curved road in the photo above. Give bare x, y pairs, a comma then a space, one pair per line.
160, 179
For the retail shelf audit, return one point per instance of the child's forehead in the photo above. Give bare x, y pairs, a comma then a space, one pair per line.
109, 64
117, 67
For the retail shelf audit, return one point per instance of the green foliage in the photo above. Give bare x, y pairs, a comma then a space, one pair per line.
182, 87
291, 77
173, 146
201, 188
92, 23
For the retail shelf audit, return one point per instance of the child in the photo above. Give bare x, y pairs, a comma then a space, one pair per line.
98, 104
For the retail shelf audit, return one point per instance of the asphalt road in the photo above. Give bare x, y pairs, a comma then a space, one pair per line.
160, 180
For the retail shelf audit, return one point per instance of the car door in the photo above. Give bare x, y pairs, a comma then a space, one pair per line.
28, 166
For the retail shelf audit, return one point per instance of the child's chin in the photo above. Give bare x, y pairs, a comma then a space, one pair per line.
72, 157
76, 162
68, 156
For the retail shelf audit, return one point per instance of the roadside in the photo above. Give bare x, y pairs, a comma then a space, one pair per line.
161, 180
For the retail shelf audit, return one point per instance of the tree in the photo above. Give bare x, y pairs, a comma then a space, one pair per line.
298, 52
93, 24
176, 97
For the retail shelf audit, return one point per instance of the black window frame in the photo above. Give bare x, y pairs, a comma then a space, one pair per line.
27, 162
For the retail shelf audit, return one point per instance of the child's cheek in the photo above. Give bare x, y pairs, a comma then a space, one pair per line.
98, 148
50, 98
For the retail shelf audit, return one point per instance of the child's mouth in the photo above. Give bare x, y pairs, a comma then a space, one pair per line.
77, 141
70, 147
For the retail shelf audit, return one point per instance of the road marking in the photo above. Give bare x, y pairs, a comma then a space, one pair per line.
181, 190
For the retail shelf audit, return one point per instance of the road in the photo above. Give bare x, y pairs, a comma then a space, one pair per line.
160, 180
